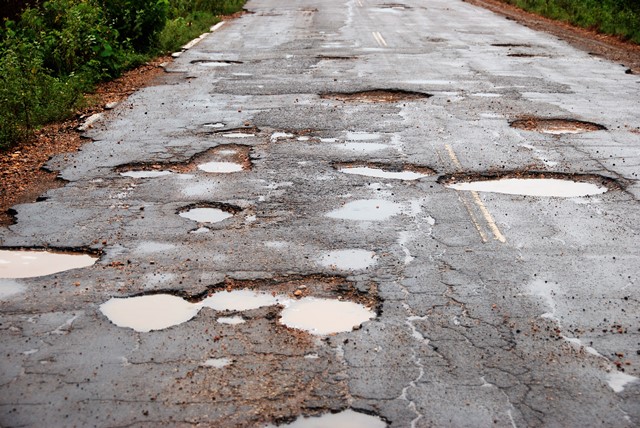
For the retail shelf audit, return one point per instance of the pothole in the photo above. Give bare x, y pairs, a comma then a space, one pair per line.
336, 58
380, 170
146, 174
216, 159
34, 263
208, 212
324, 316
348, 259
511, 45
239, 300
394, 6
556, 126
366, 210
345, 419
147, 313
524, 55
214, 63
221, 167
533, 184
317, 315
376, 96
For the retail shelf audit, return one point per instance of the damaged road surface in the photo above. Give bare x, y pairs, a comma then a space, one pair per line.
345, 210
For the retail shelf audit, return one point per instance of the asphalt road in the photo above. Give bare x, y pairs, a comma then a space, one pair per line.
492, 309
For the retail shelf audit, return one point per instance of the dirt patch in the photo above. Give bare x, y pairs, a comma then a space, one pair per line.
376, 96
601, 180
556, 126
526, 55
609, 47
226, 153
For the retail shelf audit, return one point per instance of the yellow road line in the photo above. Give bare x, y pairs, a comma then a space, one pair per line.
497, 234
379, 39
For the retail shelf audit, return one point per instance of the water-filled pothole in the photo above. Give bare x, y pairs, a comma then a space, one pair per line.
221, 167
34, 263
230, 153
345, 419
336, 57
366, 210
380, 170
394, 6
533, 184
209, 212
214, 63
146, 174
158, 311
376, 96
239, 300
511, 45
556, 126
147, 313
324, 316
348, 259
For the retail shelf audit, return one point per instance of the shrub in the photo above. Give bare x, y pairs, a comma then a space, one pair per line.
138, 22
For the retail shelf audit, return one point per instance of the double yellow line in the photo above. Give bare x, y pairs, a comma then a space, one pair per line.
475, 198
379, 39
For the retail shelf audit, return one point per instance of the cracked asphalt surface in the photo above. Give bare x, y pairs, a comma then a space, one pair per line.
493, 309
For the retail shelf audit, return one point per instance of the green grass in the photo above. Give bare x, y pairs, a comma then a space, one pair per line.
59, 49
616, 17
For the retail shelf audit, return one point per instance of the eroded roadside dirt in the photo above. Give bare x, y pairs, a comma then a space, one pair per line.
609, 47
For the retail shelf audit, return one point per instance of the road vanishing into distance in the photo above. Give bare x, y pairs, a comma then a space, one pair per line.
306, 216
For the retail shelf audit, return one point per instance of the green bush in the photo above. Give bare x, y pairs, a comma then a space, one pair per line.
59, 49
138, 22
29, 95
71, 35
617, 17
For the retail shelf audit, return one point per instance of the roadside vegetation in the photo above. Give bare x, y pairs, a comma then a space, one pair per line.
616, 17
53, 53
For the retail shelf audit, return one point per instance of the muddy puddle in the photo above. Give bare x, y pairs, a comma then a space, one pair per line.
147, 313
293, 295
366, 210
214, 63
324, 316
544, 185
345, 419
221, 167
385, 171
556, 126
34, 263
217, 159
145, 174
376, 96
206, 215
239, 300
348, 259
